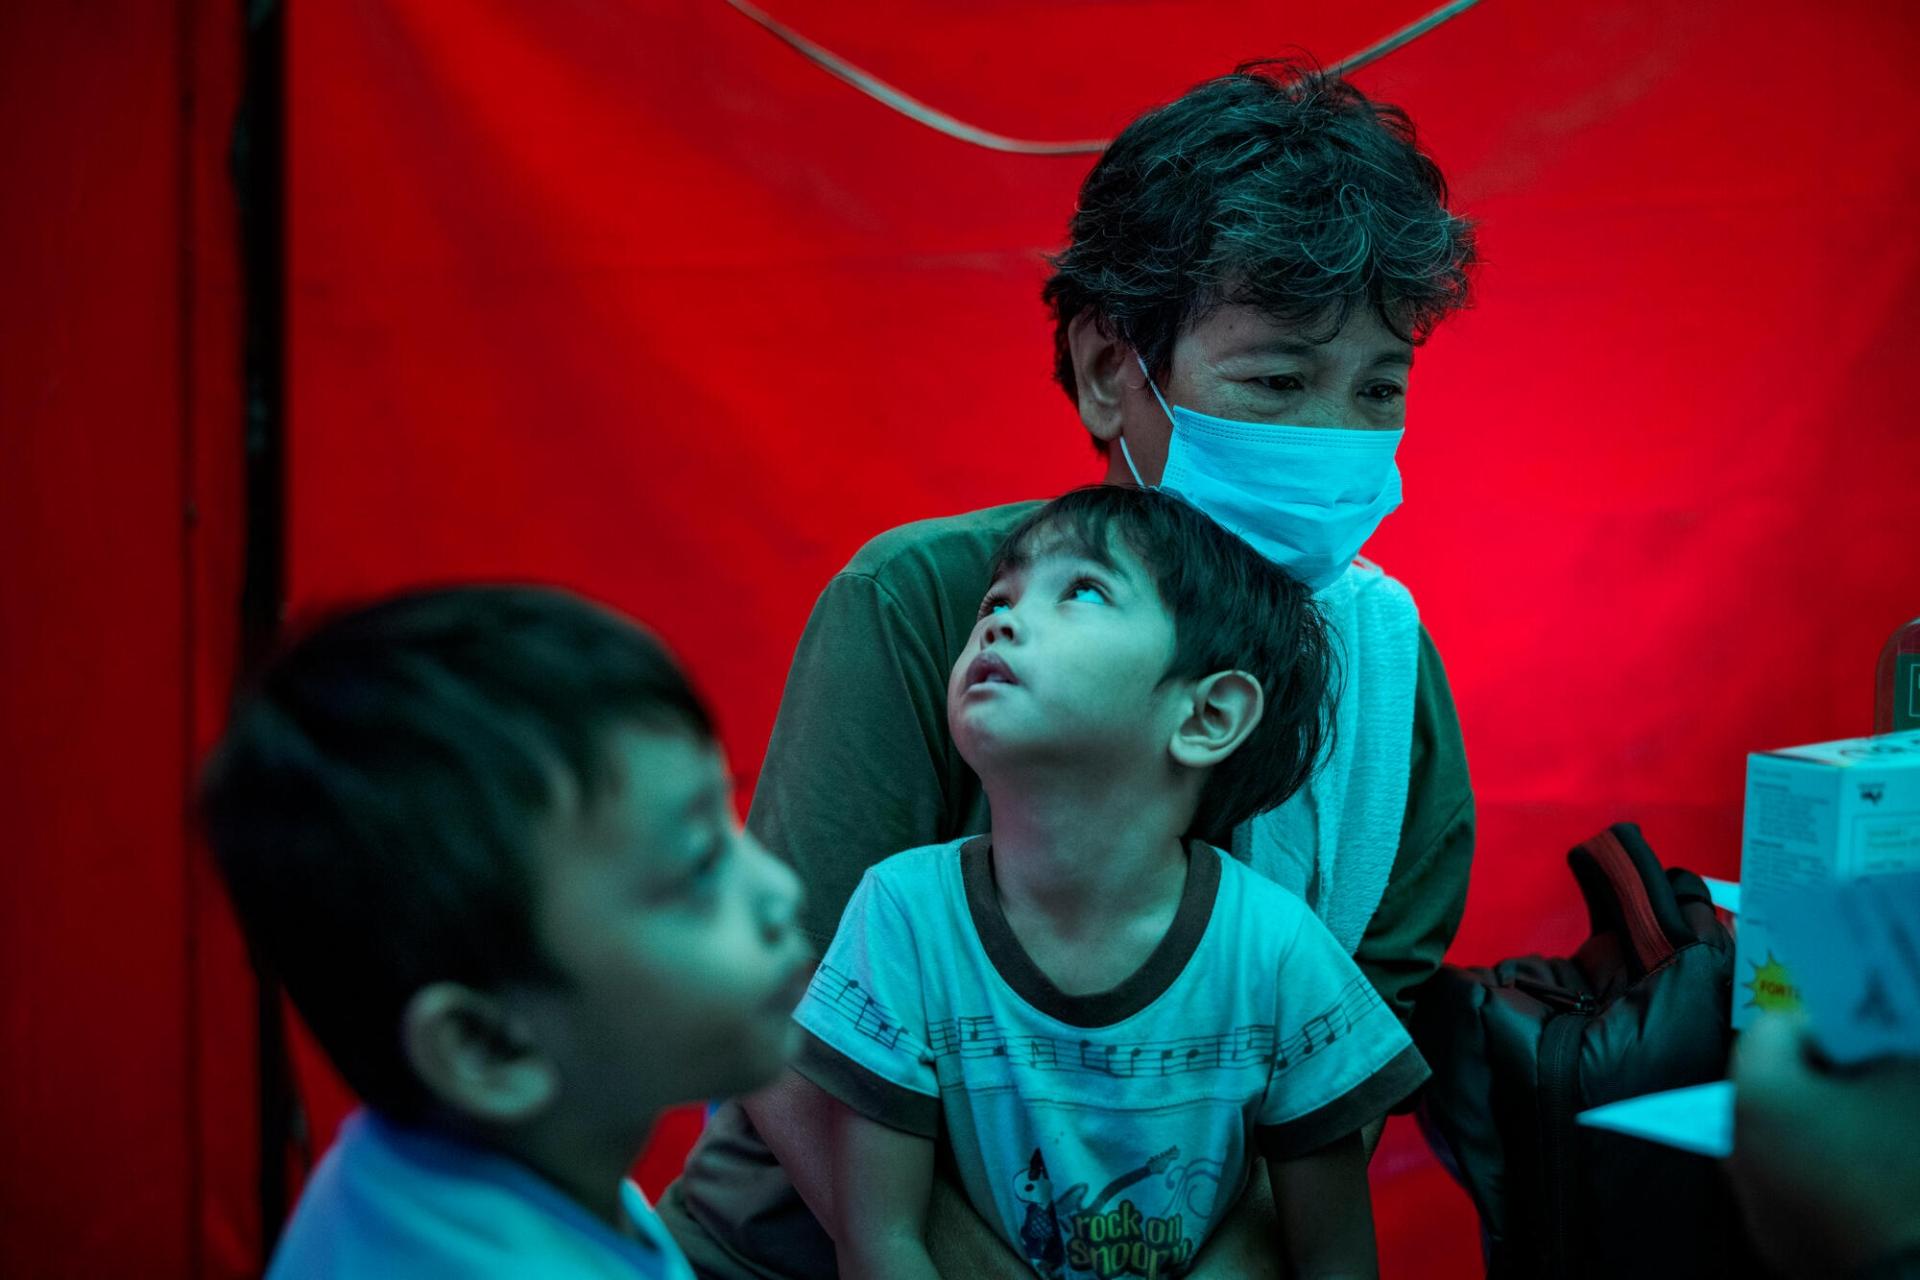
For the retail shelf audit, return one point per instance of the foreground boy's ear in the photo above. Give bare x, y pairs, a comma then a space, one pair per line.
471, 1056
1226, 706
1100, 362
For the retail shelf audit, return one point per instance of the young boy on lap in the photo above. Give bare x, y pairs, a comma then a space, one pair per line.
1098, 1018
486, 838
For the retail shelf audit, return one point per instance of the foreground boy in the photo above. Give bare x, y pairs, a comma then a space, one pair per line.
485, 836
1098, 1016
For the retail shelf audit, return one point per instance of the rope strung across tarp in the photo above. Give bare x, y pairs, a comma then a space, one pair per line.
934, 118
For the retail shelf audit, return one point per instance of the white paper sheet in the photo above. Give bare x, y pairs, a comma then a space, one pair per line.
1857, 960
1698, 1118
1725, 893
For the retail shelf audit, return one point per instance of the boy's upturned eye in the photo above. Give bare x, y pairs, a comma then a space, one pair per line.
994, 603
1086, 589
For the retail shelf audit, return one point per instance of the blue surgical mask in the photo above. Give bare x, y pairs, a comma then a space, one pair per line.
1307, 498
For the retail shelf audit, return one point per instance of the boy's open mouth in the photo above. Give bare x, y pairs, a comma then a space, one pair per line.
989, 668
793, 987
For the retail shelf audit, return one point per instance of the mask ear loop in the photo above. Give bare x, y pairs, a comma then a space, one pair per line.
1127, 453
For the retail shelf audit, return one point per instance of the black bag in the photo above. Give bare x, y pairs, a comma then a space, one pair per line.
1519, 1049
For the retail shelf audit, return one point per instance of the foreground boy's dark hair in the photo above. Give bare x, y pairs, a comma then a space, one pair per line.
374, 802
1276, 186
1233, 610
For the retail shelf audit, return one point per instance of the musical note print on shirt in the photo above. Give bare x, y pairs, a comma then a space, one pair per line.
1256, 1044
843, 994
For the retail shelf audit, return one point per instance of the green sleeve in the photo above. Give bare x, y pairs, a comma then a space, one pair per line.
1427, 889
856, 765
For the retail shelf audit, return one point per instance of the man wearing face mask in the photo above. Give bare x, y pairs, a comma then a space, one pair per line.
1248, 273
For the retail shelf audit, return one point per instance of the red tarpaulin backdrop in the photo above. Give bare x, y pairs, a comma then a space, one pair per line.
126, 1055
629, 297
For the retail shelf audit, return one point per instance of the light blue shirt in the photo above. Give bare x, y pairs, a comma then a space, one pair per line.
394, 1201
1105, 1134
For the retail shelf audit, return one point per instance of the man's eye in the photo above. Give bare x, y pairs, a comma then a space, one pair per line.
1281, 382
1384, 392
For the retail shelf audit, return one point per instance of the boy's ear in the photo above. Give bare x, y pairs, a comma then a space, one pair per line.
1224, 709
1100, 362
473, 1057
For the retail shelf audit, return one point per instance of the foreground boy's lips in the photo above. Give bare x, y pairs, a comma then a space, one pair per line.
787, 998
989, 668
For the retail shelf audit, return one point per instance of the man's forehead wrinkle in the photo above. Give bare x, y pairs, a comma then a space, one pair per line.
1252, 327
1257, 346
1395, 355
1256, 320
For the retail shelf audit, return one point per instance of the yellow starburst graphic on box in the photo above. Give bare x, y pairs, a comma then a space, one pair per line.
1772, 987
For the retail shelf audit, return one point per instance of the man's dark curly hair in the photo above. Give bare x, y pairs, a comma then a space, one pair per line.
1276, 186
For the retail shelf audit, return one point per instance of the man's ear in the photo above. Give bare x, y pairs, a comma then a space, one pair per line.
1224, 709
1100, 363
473, 1057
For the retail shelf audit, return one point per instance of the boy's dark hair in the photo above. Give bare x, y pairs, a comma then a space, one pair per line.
1276, 186
1233, 610
374, 802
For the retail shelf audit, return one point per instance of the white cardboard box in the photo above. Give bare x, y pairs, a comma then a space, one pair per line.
1832, 811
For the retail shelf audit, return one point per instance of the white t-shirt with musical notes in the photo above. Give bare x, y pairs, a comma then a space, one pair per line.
1105, 1134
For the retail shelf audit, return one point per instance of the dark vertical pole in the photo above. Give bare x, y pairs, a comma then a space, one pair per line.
259, 170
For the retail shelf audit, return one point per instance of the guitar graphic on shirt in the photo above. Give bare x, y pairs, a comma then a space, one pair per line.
1068, 1205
